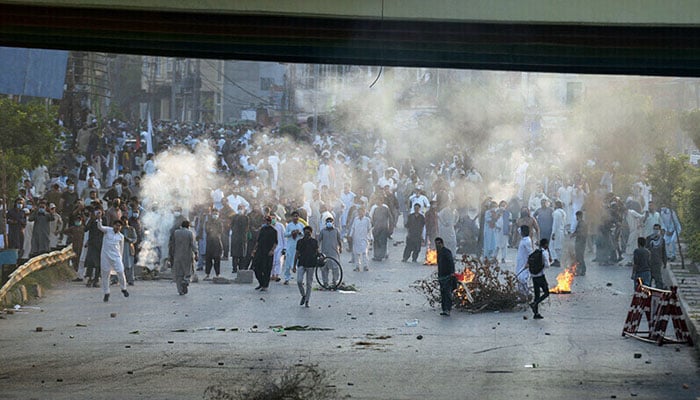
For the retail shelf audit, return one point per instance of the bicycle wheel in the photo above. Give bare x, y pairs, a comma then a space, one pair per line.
330, 286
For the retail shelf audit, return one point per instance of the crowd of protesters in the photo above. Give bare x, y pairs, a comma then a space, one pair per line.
349, 184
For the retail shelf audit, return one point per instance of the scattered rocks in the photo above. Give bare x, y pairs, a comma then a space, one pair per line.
637, 355
419, 337
130, 372
113, 315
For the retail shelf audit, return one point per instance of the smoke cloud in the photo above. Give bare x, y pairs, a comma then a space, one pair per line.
183, 179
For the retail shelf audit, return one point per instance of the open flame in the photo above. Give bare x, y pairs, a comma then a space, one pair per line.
465, 276
463, 291
564, 280
430, 257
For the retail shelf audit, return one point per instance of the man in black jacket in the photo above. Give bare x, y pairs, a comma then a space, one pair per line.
414, 224
263, 254
446, 270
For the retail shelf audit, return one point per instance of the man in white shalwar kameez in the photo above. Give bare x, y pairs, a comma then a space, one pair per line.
556, 242
521, 271
111, 256
447, 219
360, 232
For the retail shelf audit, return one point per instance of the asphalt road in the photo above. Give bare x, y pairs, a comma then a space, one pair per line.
577, 351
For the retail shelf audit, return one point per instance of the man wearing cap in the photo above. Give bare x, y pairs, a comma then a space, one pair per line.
183, 254
331, 244
111, 255
263, 254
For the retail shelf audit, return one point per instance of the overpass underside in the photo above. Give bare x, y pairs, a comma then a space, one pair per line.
549, 47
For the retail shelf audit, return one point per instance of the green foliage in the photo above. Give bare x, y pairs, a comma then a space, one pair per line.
27, 137
690, 123
689, 214
668, 176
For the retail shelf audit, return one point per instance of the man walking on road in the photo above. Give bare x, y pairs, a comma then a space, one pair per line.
414, 225
305, 261
446, 270
263, 254
183, 254
331, 244
539, 281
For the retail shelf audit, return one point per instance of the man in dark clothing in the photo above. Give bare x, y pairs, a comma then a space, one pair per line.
263, 254
305, 261
381, 224
580, 235
94, 248
239, 239
641, 263
431, 225
215, 232
657, 247
183, 254
16, 221
446, 270
414, 224
539, 280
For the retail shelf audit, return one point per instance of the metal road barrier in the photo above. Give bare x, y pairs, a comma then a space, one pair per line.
36, 264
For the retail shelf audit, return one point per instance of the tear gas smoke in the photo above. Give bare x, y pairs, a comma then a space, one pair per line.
546, 125
183, 179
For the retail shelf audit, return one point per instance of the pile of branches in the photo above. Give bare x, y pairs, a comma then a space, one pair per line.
492, 289
299, 382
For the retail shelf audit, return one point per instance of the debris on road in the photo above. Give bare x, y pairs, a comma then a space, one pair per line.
411, 324
481, 286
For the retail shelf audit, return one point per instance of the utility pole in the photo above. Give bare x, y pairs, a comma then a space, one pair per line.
315, 128
197, 89
173, 89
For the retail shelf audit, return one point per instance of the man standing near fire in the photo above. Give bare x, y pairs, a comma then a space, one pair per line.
446, 270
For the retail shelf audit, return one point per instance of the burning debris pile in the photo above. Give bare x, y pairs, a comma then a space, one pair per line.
564, 281
481, 286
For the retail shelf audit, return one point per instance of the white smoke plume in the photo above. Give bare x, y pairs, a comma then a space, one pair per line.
183, 179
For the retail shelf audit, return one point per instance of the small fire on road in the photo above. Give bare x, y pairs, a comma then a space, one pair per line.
430, 257
564, 281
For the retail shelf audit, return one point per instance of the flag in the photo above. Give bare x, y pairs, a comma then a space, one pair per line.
149, 136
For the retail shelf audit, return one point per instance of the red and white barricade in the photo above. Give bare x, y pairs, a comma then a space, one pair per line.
658, 306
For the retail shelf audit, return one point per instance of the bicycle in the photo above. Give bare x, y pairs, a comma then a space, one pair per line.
324, 260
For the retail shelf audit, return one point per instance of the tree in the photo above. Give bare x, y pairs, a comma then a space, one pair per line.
668, 177
27, 137
691, 125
